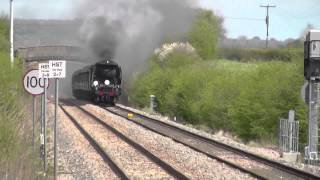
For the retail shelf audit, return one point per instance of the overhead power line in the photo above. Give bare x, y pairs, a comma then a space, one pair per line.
245, 18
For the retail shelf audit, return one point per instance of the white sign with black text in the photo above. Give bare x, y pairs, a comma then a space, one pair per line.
57, 69
44, 70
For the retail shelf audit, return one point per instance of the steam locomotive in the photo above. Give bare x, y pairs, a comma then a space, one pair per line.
100, 83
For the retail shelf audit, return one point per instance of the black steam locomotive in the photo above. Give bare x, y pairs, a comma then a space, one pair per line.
99, 83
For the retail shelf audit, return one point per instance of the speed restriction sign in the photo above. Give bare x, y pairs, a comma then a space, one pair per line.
34, 84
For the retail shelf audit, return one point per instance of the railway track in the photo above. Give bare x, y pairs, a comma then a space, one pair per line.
255, 165
112, 163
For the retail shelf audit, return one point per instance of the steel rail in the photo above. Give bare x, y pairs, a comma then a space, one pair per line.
113, 165
273, 164
167, 167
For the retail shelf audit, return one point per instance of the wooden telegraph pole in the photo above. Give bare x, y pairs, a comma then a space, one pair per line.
267, 21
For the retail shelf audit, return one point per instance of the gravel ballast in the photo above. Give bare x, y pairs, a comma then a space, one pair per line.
262, 151
194, 164
136, 165
77, 159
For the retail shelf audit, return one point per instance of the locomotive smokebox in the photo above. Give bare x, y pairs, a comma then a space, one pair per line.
312, 55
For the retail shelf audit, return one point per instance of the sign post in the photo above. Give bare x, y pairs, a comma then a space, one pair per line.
35, 86
41, 128
33, 117
44, 73
57, 69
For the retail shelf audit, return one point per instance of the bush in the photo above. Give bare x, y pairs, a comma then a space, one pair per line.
244, 98
272, 89
158, 79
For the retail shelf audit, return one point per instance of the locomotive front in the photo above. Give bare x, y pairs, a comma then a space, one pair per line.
106, 82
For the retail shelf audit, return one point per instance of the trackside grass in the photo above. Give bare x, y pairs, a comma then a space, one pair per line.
16, 159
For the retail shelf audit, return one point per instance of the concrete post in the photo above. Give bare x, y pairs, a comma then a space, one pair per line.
152, 102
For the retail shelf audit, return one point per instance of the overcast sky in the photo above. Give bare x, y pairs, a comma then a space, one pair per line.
242, 17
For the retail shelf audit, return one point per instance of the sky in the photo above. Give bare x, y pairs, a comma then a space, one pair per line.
241, 17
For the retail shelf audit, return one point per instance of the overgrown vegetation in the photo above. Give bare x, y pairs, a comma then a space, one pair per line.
15, 157
246, 98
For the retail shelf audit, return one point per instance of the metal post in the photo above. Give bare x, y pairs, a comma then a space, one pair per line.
41, 128
33, 117
45, 126
310, 117
291, 120
152, 102
11, 33
55, 128
313, 119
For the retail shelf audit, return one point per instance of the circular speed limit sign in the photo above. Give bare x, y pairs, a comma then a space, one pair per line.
34, 84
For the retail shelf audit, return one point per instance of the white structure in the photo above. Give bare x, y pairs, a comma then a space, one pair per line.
11, 33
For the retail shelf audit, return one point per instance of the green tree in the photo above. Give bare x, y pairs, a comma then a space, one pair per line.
205, 32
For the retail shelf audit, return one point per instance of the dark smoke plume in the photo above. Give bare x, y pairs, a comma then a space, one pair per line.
128, 31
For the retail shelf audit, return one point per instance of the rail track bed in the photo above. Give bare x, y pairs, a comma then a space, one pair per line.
191, 164
255, 165
132, 160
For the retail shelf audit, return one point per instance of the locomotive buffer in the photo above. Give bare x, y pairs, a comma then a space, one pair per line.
312, 74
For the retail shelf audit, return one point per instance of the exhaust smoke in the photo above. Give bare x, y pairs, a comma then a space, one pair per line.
128, 31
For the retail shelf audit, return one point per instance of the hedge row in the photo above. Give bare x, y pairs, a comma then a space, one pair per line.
245, 55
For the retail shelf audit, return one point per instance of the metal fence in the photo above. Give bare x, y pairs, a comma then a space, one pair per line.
288, 136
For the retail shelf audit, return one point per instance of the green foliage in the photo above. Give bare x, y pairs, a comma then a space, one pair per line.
15, 159
272, 89
4, 34
244, 98
204, 34
10, 89
10, 110
246, 55
157, 80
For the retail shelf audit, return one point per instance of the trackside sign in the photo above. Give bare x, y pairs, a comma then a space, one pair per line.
44, 70
34, 84
57, 69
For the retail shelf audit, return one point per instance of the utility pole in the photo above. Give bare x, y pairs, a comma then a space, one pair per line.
11, 33
267, 21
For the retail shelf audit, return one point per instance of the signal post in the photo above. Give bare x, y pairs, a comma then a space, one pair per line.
312, 74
